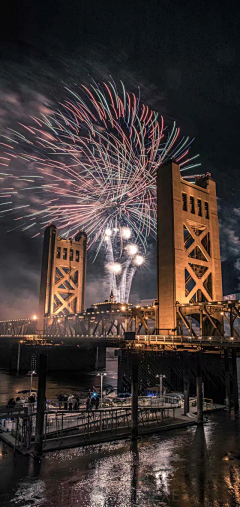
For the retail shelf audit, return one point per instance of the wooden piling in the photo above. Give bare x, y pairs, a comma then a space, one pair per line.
186, 382
235, 381
18, 357
199, 389
227, 379
41, 401
134, 421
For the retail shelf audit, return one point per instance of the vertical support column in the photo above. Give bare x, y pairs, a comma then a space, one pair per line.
170, 245
18, 357
199, 389
201, 322
40, 404
134, 424
235, 381
156, 318
227, 379
231, 322
186, 382
47, 276
100, 357
96, 362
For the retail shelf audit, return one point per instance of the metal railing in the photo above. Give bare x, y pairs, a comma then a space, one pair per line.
142, 340
60, 424
6, 412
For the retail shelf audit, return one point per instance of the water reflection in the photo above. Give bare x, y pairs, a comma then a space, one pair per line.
134, 472
192, 467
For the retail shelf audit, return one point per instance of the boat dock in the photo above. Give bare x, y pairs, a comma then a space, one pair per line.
64, 429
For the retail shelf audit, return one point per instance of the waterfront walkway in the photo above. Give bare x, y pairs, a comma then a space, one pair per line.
65, 430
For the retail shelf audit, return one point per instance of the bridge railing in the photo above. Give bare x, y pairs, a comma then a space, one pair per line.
142, 340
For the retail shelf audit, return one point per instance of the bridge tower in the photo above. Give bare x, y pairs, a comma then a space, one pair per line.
189, 264
63, 275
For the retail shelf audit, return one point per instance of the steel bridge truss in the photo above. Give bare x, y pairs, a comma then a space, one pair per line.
18, 327
100, 323
217, 318
220, 318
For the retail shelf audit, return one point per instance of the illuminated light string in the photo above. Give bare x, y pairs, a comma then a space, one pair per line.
91, 165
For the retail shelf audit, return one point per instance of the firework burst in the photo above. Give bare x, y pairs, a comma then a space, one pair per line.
91, 165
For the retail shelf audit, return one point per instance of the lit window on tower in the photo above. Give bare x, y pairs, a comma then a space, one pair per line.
58, 252
65, 254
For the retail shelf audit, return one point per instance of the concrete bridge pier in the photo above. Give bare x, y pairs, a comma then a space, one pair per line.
235, 382
227, 380
199, 389
186, 382
100, 362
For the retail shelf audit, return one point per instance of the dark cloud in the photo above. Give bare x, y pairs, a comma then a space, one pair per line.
229, 229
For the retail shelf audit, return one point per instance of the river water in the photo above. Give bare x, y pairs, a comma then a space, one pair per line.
66, 383
189, 467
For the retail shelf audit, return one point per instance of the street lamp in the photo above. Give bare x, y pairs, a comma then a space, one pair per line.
102, 374
30, 374
32, 371
160, 384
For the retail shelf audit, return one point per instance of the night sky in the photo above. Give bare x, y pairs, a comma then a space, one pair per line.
184, 57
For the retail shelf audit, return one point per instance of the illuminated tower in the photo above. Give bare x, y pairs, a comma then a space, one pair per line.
63, 275
189, 264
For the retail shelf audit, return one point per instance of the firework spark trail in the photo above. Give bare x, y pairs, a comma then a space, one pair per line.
92, 164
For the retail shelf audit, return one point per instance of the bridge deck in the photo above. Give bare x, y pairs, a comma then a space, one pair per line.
141, 341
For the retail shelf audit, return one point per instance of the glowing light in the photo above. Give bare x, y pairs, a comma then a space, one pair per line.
126, 232
132, 249
139, 260
34, 317
123, 308
91, 165
115, 267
